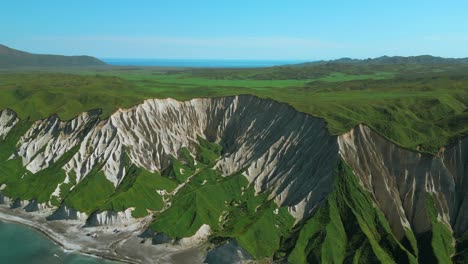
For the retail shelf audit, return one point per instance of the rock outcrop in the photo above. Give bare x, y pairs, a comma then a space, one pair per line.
66, 213
49, 139
8, 120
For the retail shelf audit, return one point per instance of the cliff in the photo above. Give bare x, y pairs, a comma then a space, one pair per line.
285, 157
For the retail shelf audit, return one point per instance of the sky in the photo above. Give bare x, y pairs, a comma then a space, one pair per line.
237, 29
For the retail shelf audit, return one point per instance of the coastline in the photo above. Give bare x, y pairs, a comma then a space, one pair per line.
125, 247
54, 237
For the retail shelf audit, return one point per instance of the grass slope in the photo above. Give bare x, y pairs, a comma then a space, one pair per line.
91, 193
138, 190
22, 184
228, 205
348, 228
442, 241
231, 208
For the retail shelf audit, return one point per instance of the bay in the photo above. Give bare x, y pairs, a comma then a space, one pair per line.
20, 244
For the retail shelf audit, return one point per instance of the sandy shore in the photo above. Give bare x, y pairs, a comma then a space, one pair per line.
125, 246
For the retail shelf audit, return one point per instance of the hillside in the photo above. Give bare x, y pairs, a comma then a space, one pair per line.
238, 170
392, 60
11, 58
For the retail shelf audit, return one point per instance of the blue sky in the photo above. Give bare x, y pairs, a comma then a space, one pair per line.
241, 29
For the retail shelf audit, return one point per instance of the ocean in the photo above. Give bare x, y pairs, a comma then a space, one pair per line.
199, 63
20, 244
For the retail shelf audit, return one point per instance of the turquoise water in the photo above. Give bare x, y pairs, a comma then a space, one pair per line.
23, 245
200, 63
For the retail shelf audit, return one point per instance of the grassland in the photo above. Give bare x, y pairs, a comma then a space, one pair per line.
417, 106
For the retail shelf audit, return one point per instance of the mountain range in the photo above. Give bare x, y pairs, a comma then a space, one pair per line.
12, 58
391, 60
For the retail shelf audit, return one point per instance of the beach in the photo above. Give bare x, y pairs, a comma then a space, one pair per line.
126, 246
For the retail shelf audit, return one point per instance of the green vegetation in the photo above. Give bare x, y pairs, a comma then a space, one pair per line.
11, 58
201, 201
20, 183
94, 193
38, 186
257, 224
421, 107
227, 204
442, 241
91, 193
37, 96
207, 152
231, 208
417, 106
138, 190
64, 189
350, 229
182, 168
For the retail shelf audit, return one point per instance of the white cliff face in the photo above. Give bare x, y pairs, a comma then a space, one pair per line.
281, 150
100, 146
66, 213
400, 179
5, 200
287, 153
200, 237
109, 218
8, 120
455, 159
18, 203
47, 140
150, 134
33, 206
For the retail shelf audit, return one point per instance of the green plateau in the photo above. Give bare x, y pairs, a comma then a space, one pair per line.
422, 107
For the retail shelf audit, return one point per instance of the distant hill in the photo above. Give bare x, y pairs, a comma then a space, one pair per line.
387, 60
11, 58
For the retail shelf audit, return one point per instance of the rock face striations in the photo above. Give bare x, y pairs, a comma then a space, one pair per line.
279, 149
400, 179
286, 154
